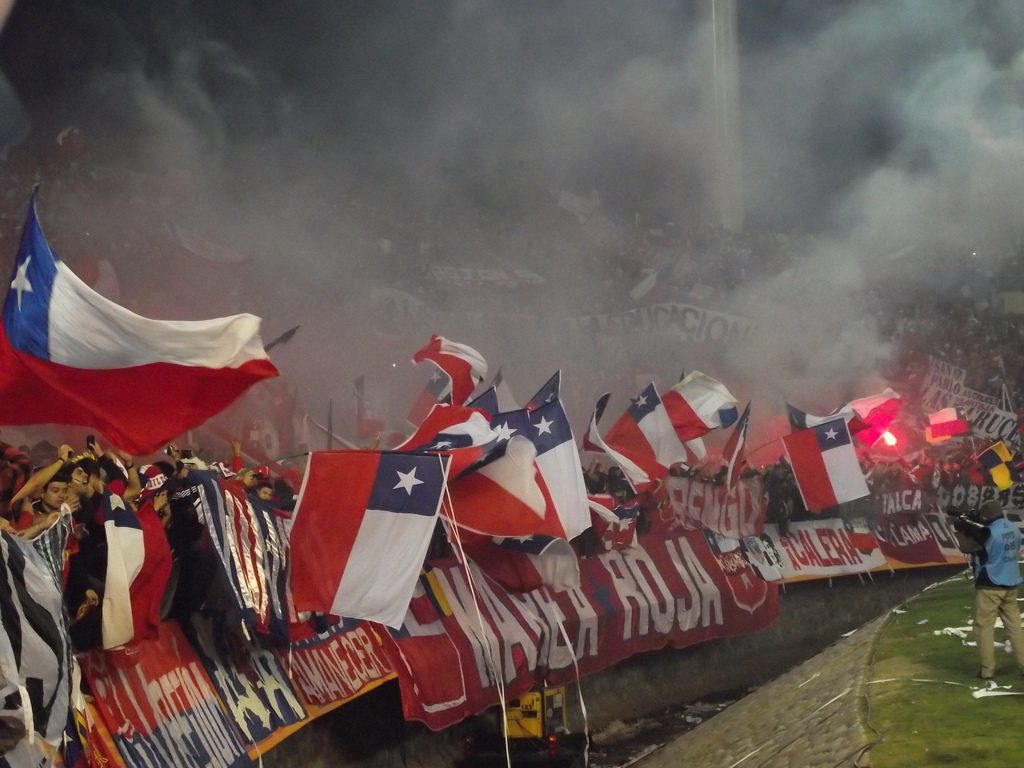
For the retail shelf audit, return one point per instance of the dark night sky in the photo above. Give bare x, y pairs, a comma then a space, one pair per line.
877, 124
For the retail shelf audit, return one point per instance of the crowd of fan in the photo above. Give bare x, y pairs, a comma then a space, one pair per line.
65, 484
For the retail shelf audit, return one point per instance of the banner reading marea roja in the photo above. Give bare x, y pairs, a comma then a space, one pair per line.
666, 591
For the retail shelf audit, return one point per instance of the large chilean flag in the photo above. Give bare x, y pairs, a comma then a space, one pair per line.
70, 356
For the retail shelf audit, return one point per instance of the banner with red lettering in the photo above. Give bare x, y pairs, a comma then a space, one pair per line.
735, 513
816, 549
457, 639
159, 705
336, 666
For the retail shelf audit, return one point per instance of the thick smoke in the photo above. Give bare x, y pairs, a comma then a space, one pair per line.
345, 147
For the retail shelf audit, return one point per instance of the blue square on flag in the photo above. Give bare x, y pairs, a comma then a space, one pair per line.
645, 403
407, 483
548, 427
832, 434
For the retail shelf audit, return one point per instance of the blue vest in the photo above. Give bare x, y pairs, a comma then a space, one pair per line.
1001, 550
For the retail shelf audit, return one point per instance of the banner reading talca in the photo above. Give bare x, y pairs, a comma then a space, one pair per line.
666, 591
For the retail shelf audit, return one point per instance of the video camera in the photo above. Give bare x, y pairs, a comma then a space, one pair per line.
968, 513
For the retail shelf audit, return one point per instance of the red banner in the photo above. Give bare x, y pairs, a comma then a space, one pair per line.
159, 704
736, 513
909, 539
667, 591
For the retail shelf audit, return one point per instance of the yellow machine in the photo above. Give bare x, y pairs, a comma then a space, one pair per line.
538, 734
537, 714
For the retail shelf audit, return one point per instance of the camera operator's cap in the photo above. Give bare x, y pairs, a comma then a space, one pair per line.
990, 510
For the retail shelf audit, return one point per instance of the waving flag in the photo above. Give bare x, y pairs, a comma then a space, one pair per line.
593, 441
70, 356
138, 569
502, 497
866, 417
946, 424
438, 389
734, 453
463, 365
998, 462
825, 465
361, 528
547, 393
462, 432
698, 404
561, 474
644, 434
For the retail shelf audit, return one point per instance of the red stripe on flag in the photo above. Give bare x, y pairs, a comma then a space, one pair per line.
809, 468
139, 409
627, 438
326, 523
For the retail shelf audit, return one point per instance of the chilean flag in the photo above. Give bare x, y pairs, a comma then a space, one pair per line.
592, 441
558, 462
138, 569
462, 432
70, 356
947, 423
644, 435
360, 532
825, 465
698, 404
502, 497
463, 365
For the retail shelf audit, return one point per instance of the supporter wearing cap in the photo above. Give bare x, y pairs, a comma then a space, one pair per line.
155, 492
150, 585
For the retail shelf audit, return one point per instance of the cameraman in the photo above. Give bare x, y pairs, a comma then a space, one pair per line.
996, 576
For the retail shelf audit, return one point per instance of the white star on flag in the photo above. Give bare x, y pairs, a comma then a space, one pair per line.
407, 481
504, 432
641, 401
20, 282
831, 434
543, 426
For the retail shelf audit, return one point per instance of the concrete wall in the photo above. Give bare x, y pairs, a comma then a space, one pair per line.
370, 732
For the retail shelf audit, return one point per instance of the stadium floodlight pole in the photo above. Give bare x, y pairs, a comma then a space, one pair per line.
725, 164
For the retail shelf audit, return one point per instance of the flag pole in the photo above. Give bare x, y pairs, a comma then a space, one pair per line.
330, 425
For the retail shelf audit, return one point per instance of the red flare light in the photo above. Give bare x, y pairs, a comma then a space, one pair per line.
889, 439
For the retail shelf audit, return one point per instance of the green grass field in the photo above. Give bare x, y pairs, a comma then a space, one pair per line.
919, 696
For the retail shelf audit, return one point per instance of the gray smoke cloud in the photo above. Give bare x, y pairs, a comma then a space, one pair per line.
346, 147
